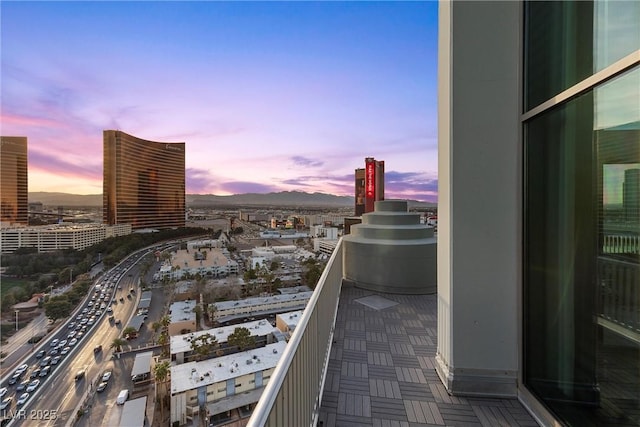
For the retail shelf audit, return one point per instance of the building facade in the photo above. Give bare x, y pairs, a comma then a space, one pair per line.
539, 128
56, 237
373, 182
13, 180
144, 182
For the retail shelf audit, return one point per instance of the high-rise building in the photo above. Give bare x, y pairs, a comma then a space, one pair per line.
13, 180
144, 182
373, 183
359, 193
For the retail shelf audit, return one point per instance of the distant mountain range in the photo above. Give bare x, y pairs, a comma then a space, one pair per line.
283, 198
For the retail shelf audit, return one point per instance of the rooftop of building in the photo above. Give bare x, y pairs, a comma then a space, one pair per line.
186, 259
382, 369
182, 310
192, 375
291, 318
182, 343
257, 301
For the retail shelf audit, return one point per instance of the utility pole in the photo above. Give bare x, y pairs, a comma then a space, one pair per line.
17, 311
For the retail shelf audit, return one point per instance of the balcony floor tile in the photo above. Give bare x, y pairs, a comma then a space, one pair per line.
382, 369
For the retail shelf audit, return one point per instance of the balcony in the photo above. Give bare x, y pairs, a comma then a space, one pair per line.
362, 358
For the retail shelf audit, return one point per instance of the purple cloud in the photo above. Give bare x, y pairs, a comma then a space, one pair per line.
198, 181
306, 162
58, 166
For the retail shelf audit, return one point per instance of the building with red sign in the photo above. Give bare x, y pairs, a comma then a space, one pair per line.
369, 185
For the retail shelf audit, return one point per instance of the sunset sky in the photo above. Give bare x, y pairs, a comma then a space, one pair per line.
267, 96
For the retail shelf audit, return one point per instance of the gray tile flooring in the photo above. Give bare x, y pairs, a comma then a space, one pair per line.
381, 369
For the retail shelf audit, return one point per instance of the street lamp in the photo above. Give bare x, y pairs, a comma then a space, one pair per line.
17, 311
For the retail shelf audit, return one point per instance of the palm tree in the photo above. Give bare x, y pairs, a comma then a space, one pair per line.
164, 341
161, 373
117, 344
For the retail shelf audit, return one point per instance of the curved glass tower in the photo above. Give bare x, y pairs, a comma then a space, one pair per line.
144, 182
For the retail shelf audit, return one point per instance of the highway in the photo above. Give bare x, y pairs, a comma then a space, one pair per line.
54, 402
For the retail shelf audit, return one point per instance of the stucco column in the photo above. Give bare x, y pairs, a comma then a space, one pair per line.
479, 167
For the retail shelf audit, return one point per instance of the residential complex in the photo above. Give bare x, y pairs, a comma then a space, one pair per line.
228, 310
144, 182
13, 180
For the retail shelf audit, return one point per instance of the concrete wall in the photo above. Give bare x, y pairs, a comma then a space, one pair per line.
391, 251
479, 178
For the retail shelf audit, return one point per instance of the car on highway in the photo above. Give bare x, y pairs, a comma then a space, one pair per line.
45, 371
65, 351
6, 402
62, 344
22, 385
33, 385
56, 359
40, 354
106, 376
22, 399
22, 368
101, 387
3, 391
54, 343
35, 373
73, 342
15, 378
45, 361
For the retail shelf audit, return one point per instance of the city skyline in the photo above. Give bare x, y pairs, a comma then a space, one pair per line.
268, 97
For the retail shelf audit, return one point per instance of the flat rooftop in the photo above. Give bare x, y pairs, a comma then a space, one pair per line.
182, 310
381, 369
181, 343
215, 258
258, 301
192, 375
291, 318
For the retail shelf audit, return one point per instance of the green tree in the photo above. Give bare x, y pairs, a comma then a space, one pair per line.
57, 308
117, 344
161, 374
164, 342
204, 345
241, 337
129, 330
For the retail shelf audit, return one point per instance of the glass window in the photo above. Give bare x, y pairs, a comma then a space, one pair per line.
567, 42
582, 256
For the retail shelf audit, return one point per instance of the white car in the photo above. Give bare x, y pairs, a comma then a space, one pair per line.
22, 399
65, 350
33, 386
22, 368
6, 402
3, 391
62, 343
73, 342
106, 376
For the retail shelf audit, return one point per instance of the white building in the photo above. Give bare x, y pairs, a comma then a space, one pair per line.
221, 384
227, 310
182, 316
287, 322
180, 345
205, 262
55, 237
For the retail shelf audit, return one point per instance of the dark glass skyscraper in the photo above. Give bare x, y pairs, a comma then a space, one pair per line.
13, 182
144, 182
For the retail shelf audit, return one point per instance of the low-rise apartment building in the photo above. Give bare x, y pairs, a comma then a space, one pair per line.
221, 384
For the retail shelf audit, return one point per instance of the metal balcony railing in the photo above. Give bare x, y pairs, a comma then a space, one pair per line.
292, 396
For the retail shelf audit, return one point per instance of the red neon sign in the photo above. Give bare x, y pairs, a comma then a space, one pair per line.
370, 179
